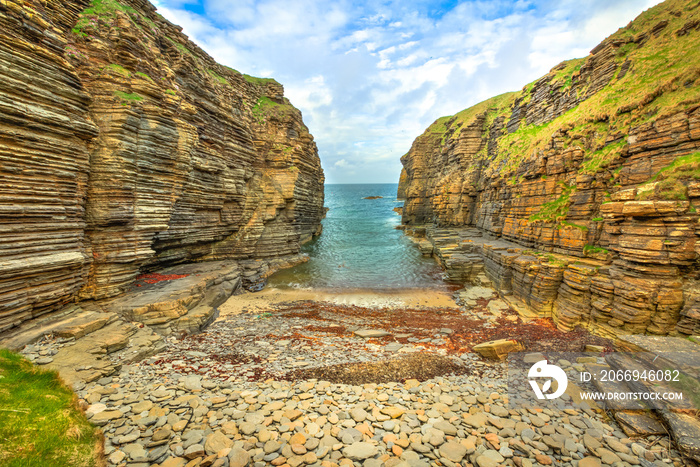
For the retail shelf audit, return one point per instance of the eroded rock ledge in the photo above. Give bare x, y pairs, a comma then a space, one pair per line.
596, 164
96, 337
126, 149
600, 295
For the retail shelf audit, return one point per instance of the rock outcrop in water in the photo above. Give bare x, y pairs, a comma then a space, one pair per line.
579, 194
125, 148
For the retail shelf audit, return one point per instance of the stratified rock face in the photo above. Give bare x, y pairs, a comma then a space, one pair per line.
598, 161
124, 147
403, 179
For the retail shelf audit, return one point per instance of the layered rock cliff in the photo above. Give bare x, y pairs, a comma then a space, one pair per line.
582, 189
125, 148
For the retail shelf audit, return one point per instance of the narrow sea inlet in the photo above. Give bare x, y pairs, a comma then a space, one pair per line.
360, 247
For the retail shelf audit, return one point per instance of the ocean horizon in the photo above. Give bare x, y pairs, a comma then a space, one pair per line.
360, 246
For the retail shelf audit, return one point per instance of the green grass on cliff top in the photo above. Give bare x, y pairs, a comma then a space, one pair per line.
266, 107
102, 12
491, 107
40, 424
253, 79
259, 81
662, 79
106, 11
106, 7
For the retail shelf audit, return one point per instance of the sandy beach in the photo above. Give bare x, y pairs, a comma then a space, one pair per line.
402, 298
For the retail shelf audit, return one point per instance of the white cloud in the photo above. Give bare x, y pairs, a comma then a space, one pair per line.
380, 74
310, 94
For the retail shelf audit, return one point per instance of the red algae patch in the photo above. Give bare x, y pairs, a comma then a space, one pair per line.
154, 278
466, 331
299, 340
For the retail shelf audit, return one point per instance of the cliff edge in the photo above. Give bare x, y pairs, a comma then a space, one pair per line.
587, 181
125, 148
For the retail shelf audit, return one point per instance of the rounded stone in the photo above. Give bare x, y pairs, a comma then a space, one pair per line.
589, 462
360, 451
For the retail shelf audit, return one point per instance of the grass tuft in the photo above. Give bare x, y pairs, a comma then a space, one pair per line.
179, 46
592, 249
144, 76
119, 69
671, 181
217, 77
40, 423
127, 97
556, 210
576, 226
99, 10
266, 107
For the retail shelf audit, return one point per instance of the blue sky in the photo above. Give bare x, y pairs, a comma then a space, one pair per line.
371, 76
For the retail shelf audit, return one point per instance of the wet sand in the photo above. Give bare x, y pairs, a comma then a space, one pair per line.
402, 298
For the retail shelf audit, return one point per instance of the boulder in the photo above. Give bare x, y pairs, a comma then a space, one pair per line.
498, 349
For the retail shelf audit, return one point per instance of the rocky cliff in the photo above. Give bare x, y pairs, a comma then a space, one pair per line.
578, 195
125, 148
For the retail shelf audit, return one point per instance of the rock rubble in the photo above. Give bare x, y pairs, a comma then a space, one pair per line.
153, 413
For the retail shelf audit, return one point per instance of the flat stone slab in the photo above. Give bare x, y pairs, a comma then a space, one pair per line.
360, 451
613, 386
185, 299
198, 277
73, 321
475, 293
84, 324
533, 357
496, 307
84, 361
686, 432
639, 424
367, 333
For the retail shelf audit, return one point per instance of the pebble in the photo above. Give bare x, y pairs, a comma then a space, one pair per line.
589, 462
158, 413
453, 451
360, 451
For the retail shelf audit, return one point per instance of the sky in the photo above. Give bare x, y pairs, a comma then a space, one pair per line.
370, 76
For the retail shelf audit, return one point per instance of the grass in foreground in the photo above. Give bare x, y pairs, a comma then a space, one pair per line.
40, 423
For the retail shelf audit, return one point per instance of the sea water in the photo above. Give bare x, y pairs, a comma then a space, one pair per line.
360, 246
